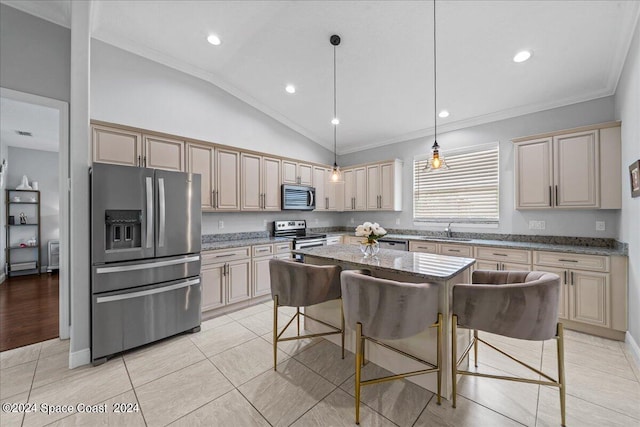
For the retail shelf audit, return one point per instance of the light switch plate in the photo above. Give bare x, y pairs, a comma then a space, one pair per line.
397, 221
600, 226
352, 221
220, 225
541, 225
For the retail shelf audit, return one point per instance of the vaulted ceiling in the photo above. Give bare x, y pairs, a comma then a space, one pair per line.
385, 61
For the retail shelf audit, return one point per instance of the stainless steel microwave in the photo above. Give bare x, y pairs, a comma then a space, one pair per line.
298, 197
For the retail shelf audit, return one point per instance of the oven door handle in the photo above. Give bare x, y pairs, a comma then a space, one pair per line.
139, 294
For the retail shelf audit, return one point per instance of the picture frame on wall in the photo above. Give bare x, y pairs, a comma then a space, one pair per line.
634, 177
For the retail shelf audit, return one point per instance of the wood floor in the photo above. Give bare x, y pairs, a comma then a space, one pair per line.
28, 310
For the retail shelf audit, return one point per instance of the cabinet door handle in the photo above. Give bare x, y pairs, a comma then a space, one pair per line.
454, 250
225, 255
326, 202
556, 195
497, 266
500, 254
567, 260
565, 277
550, 197
139, 160
145, 161
571, 276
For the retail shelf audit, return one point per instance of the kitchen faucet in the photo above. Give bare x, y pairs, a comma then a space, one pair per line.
448, 230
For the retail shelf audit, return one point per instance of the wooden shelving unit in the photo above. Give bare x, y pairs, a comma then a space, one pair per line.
22, 239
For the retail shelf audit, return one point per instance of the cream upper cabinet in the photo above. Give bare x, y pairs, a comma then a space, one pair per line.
220, 172
319, 175
534, 174
260, 183
384, 186
117, 146
200, 159
578, 169
122, 146
297, 173
354, 189
227, 191
163, 153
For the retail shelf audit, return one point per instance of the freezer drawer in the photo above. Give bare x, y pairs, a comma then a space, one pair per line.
127, 319
125, 275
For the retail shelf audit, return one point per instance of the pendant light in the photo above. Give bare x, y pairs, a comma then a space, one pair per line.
436, 162
335, 172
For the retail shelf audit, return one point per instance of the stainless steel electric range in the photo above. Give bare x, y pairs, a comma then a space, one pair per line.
297, 231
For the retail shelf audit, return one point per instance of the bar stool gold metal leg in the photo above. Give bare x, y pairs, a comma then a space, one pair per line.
562, 387
298, 319
454, 358
475, 347
359, 357
275, 332
439, 358
342, 326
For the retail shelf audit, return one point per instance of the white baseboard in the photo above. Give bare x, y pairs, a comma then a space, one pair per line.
633, 347
79, 358
2, 277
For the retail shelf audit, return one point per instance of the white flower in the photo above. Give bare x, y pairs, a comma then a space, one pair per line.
360, 231
381, 231
370, 230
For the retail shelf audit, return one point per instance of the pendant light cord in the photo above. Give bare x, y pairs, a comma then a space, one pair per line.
335, 110
435, 74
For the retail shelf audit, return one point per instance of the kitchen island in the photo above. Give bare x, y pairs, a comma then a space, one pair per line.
404, 267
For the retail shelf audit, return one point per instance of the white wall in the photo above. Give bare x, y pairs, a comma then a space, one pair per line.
35, 55
560, 223
627, 109
40, 166
3, 156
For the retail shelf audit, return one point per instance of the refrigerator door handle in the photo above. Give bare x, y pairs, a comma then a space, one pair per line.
162, 212
145, 266
149, 187
139, 294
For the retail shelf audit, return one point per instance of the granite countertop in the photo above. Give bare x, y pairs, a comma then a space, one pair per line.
528, 245
425, 266
211, 242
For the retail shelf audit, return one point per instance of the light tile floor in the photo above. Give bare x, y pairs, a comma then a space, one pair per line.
223, 376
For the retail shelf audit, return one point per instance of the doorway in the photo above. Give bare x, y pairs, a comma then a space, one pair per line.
47, 148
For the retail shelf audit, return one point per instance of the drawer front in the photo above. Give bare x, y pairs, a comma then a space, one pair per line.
224, 255
456, 250
282, 248
334, 240
503, 255
352, 240
283, 256
427, 247
262, 250
573, 261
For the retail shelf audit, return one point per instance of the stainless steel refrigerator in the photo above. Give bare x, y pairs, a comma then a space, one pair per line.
145, 256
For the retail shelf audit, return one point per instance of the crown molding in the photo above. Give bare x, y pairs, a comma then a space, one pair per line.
623, 48
35, 9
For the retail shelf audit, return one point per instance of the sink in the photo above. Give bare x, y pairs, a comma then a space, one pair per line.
455, 239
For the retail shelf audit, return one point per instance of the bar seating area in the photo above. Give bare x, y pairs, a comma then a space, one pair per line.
384, 312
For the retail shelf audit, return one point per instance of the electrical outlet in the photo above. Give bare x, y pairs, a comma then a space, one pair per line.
220, 225
317, 221
541, 225
264, 223
352, 221
397, 221
600, 226
533, 225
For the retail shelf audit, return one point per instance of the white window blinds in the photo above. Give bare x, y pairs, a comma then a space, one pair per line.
467, 192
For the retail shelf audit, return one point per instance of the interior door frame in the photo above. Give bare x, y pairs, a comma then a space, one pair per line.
63, 188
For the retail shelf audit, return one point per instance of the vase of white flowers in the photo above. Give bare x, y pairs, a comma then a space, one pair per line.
370, 233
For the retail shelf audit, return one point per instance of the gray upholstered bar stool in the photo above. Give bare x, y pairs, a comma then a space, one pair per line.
385, 309
515, 304
295, 284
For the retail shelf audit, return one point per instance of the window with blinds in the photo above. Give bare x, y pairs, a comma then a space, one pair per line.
466, 192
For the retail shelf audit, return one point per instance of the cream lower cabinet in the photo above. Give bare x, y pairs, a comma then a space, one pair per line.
492, 258
260, 183
593, 287
226, 277
262, 254
426, 247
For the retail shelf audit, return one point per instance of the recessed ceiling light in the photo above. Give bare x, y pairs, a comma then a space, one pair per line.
335, 121
214, 40
522, 56
443, 114
290, 89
